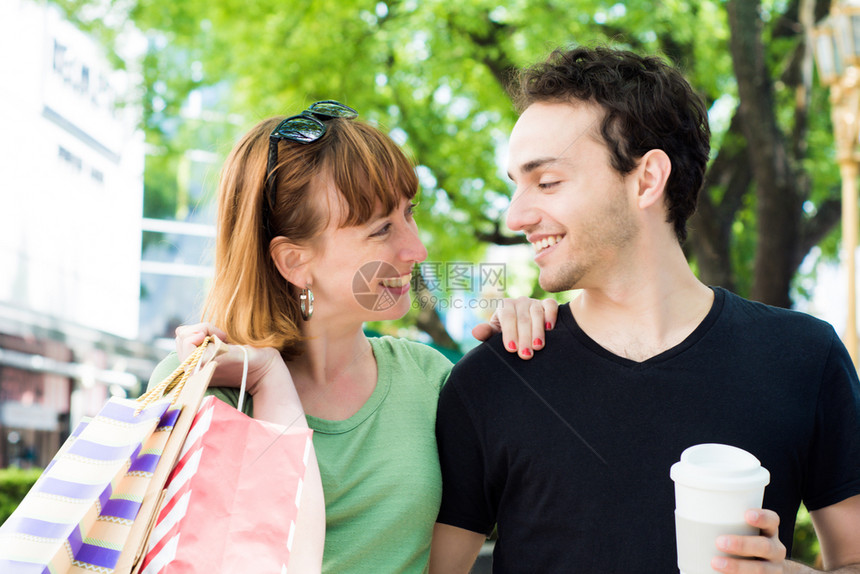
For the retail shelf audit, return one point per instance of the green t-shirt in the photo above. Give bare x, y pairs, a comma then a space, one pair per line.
380, 467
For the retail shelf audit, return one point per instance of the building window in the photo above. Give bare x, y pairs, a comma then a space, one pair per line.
59, 59
84, 86
71, 159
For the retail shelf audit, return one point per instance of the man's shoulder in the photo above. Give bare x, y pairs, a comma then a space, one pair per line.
780, 322
490, 348
490, 363
489, 354
751, 328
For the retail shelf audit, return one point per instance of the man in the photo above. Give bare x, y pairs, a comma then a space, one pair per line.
568, 454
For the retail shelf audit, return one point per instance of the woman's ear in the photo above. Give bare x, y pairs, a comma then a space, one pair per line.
654, 169
291, 260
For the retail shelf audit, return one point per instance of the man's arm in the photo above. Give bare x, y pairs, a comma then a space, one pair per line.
838, 529
454, 550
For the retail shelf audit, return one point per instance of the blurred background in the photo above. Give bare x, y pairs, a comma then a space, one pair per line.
117, 114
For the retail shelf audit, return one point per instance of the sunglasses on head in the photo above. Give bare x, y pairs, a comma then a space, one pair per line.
304, 128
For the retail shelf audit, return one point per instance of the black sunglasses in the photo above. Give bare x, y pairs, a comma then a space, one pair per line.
304, 128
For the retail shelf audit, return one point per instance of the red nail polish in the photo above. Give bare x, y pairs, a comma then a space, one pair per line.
512, 346
537, 342
548, 326
527, 352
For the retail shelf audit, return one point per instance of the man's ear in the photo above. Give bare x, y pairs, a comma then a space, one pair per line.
291, 260
653, 173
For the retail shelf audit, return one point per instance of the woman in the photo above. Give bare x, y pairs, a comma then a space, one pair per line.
316, 236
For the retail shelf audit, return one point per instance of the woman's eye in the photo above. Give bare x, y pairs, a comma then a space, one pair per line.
382, 231
547, 184
410, 210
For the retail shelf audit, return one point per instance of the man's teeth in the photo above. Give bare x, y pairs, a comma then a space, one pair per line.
401, 281
546, 242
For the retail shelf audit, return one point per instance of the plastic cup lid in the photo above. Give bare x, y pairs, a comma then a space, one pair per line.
719, 467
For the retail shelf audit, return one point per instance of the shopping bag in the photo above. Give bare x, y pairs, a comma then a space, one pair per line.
80, 512
231, 501
87, 482
187, 397
100, 551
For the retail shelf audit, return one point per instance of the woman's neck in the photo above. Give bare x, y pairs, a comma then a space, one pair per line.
336, 373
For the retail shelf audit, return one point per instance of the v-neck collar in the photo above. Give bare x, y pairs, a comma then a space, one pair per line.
568, 322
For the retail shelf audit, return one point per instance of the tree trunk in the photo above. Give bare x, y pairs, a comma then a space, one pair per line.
728, 179
428, 318
778, 203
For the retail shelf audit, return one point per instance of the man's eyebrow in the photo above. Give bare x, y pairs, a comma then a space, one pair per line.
534, 164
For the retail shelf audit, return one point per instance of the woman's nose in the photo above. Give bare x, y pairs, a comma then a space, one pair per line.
413, 249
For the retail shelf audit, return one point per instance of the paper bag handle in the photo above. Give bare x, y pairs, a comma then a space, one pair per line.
244, 381
173, 383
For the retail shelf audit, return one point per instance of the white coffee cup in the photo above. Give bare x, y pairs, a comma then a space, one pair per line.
715, 484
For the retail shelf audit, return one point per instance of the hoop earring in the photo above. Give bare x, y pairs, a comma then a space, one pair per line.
306, 300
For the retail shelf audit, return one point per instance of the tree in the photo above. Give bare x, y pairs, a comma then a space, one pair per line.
786, 232
434, 73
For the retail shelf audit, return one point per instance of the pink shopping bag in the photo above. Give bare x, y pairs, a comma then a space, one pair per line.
231, 501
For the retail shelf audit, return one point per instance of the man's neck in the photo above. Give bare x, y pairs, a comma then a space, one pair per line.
641, 317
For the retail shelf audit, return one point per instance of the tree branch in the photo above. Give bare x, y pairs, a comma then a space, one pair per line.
498, 238
496, 61
711, 225
815, 229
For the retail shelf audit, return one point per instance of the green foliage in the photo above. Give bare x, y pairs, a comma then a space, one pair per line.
14, 484
161, 184
743, 245
431, 71
434, 74
806, 548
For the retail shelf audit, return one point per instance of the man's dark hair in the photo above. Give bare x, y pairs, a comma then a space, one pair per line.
648, 105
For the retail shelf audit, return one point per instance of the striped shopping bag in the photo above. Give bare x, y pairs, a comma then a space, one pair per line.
98, 490
95, 480
101, 549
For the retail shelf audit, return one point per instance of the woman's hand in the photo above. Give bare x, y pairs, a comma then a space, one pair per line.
269, 381
263, 363
522, 322
189, 337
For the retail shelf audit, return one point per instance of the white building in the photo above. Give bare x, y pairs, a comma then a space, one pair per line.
71, 202
72, 175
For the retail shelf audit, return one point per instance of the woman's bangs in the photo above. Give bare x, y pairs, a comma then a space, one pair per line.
370, 172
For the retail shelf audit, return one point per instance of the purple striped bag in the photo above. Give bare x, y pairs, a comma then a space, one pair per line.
95, 481
79, 515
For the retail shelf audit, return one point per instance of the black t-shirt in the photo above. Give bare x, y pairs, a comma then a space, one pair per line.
569, 453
